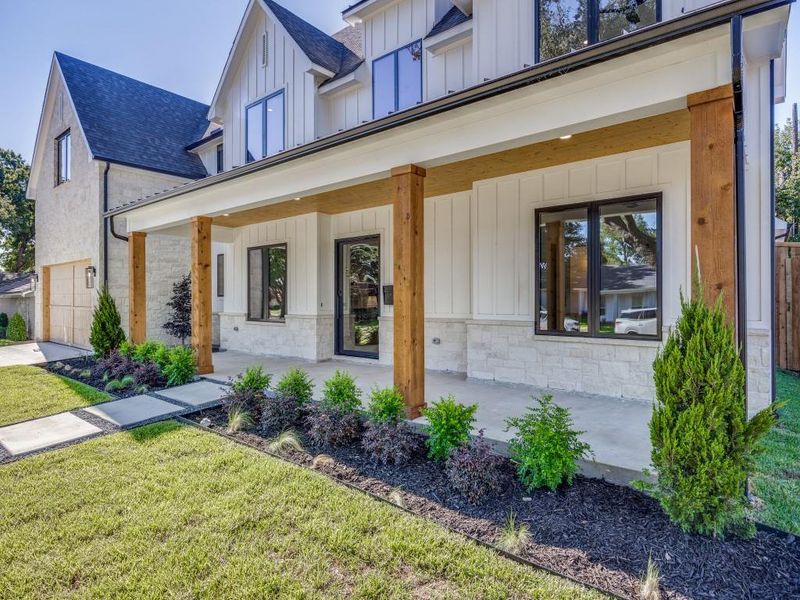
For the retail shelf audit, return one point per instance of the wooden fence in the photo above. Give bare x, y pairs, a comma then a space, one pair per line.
787, 305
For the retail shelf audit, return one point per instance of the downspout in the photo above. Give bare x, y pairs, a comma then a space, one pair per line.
108, 223
739, 190
773, 317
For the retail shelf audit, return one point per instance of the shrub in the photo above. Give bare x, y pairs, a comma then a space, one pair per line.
126, 348
106, 333
296, 384
181, 365
3, 333
386, 405
280, 413
545, 447
449, 425
114, 366
341, 394
3, 319
251, 401
147, 351
253, 378
475, 471
148, 375
17, 330
703, 444
331, 427
180, 304
390, 443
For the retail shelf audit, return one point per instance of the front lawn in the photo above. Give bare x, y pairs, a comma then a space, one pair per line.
170, 511
31, 392
777, 482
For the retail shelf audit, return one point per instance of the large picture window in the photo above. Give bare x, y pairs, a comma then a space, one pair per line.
598, 268
266, 283
397, 80
564, 26
265, 127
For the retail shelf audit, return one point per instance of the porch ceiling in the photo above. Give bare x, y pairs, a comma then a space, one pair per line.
459, 176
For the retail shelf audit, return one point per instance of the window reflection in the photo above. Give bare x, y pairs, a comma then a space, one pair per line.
562, 27
397, 80
618, 17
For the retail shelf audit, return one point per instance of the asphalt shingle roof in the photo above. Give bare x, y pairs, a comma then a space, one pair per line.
14, 283
322, 49
451, 18
133, 123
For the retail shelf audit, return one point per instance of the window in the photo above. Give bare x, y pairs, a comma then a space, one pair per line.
264, 127
220, 159
266, 283
63, 157
598, 268
220, 275
397, 80
564, 26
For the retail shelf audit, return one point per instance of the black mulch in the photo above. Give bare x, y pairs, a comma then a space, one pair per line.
594, 531
76, 366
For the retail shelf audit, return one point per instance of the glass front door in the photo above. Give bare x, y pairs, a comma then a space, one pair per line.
358, 303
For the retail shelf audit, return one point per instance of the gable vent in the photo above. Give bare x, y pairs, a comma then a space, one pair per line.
264, 49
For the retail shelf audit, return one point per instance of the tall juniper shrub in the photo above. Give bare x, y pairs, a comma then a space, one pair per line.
335, 421
449, 426
387, 438
475, 471
106, 333
17, 330
703, 444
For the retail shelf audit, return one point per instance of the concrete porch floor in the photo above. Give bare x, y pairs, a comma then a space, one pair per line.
616, 428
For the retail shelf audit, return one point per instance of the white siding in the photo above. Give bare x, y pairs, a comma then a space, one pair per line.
503, 34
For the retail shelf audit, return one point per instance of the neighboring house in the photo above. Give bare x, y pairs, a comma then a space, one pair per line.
17, 296
440, 184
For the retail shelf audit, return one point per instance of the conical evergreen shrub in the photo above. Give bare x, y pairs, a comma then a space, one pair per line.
703, 444
17, 330
106, 334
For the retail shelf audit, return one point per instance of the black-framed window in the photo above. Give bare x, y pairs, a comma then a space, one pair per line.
598, 268
266, 283
563, 26
265, 125
220, 275
220, 159
397, 80
63, 157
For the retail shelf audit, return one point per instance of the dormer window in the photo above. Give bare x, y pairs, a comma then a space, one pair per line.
397, 80
564, 26
264, 127
63, 157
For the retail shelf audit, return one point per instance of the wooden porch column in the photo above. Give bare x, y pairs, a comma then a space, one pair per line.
409, 285
713, 201
201, 293
137, 287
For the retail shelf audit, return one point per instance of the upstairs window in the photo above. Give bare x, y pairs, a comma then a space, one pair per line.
220, 159
564, 26
63, 157
397, 80
264, 127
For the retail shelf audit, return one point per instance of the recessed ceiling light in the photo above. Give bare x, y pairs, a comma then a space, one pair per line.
565, 137
296, 198
226, 214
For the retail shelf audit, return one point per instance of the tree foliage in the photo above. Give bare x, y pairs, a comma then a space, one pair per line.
787, 175
180, 321
106, 334
16, 214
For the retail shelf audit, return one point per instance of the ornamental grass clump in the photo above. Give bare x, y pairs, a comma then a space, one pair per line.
449, 426
475, 471
335, 421
546, 448
514, 536
238, 419
703, 444
387, 438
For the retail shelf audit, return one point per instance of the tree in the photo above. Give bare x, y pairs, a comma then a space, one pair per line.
106, 334
16, 214
787, 175
180, 322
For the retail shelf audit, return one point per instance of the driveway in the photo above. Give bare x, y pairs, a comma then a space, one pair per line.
32, 353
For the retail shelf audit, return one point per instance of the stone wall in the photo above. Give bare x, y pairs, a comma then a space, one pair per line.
759, 373
301, 336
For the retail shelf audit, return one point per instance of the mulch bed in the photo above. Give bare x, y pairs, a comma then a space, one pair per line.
595, 532
81, 363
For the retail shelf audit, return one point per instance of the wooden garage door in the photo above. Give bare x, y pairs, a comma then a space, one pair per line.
70, 304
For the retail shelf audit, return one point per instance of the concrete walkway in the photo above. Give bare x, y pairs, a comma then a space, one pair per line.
32, 353
56, 431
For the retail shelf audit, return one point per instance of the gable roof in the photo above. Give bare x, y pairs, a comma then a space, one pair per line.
321, 48
132, 123
451, 18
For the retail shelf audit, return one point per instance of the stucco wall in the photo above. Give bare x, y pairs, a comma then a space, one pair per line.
24, 306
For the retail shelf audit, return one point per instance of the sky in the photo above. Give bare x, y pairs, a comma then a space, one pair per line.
179, 45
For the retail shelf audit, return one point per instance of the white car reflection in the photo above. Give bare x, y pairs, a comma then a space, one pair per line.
637, 321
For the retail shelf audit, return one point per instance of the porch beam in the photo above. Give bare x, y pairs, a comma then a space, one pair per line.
713, 201
201, 293
408, 193
137, 287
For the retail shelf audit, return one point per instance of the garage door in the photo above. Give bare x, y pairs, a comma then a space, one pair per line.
70, 304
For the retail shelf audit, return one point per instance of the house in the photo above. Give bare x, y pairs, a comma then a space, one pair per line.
470, 186
17, 295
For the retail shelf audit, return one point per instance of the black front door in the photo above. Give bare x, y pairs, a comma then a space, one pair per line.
358, 303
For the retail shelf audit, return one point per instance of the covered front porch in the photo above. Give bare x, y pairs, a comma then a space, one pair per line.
616, 428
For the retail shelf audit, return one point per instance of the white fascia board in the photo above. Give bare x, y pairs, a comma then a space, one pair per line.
765, 35
359, 13
320, 71
464, 6
356, 78
780, 78
649, 82
448, 39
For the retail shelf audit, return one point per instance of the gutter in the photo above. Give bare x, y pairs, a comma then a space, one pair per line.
653, 35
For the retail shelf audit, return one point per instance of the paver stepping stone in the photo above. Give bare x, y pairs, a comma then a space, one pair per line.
133, 411
200, 394
45, 432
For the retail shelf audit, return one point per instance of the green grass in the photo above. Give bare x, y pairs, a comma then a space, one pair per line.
31, 392
777, 481
167, 511
4, 342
